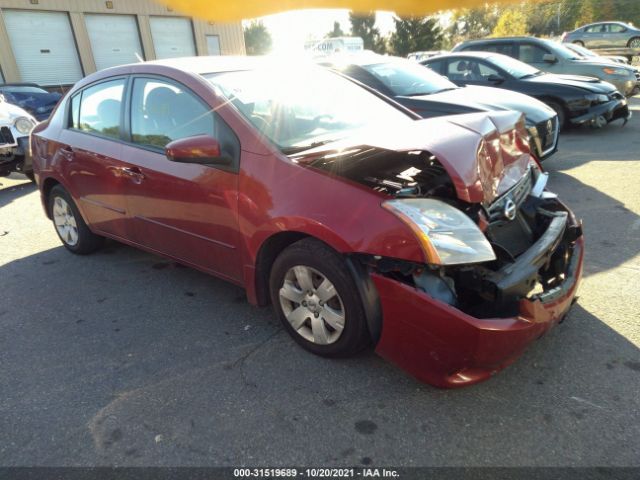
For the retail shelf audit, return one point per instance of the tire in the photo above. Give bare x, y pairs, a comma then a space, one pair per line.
562, 114
580, 43
62, 208
316, 319
30, 176
634, 43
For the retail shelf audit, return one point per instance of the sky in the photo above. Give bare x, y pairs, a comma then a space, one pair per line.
289, 30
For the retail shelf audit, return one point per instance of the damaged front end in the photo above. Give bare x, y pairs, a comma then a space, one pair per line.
503, 256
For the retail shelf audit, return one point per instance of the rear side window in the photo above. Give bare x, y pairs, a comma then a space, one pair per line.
97, 109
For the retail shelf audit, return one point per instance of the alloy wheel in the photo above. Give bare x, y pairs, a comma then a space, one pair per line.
65, 221
635, 43
312, 305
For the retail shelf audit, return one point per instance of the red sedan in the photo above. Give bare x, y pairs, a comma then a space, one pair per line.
435, 241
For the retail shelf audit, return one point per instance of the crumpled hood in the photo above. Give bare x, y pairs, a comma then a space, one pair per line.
9, 113
588, 84
492, 99
479, 151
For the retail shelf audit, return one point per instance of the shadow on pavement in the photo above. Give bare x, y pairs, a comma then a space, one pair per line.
11, 191
125, 358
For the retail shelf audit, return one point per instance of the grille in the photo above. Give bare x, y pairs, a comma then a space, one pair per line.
6, 136
518, 194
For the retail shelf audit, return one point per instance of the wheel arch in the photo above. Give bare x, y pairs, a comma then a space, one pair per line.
278, 242
47, 185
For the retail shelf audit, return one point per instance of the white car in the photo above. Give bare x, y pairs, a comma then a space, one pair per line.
15, 126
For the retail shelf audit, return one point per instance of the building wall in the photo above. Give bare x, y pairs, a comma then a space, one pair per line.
230, 34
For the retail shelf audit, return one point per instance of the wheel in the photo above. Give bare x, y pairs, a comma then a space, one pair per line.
69, 224
562, 115
580, 43
317, 301
634, 43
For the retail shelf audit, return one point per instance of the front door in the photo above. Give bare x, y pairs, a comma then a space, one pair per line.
187, 211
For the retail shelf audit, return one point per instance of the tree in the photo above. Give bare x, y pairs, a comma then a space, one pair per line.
336, 32
257, 39
473, 23
415, 34
363, 26
512, 22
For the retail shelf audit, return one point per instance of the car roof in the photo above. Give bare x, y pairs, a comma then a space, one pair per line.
360, 59
475, 54
606, 23
502, 39
192, 66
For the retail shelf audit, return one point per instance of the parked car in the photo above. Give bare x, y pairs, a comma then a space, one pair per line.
605, 35
552, 57
432, 95
577, 100
433, 240
584, 52
15, 127
31, 97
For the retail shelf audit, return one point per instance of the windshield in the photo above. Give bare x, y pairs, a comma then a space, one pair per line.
561, 51
580, 50
513, 67
301, 109
409, 78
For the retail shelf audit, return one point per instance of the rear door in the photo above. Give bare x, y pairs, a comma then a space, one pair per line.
186, 211
90, 156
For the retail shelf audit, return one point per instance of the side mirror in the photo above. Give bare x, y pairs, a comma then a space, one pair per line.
549, 58
201, 149
495, 79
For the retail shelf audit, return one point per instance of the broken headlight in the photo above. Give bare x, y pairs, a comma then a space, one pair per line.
447, 235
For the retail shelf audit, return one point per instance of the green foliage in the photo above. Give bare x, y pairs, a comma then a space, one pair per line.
415, 34
336, 32
512, 22
363, 26
538, 17
257, 39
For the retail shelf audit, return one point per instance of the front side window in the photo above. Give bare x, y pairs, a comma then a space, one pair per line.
301, 108
470, 71
97, 109
162, 112
530, 53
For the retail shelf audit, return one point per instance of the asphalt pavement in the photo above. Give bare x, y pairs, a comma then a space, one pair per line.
125, 358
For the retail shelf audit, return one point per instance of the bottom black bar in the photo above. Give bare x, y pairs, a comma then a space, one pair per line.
215, 473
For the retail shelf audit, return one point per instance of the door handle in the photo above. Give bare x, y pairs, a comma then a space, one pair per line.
132, 172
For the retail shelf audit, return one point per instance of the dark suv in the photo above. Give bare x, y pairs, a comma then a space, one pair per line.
553, 57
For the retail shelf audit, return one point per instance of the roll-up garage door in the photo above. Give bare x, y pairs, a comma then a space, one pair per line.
115, 39
172, 37
44, 47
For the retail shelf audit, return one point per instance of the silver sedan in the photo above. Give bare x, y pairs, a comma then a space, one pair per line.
605, 35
